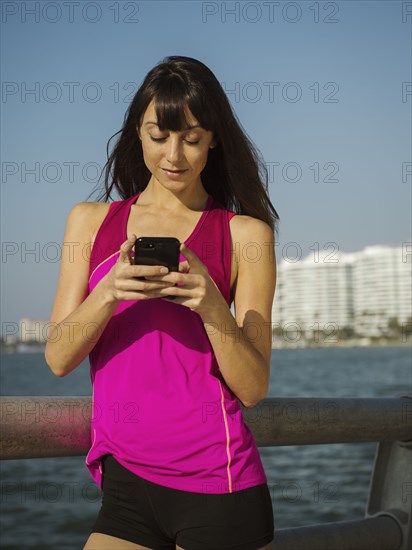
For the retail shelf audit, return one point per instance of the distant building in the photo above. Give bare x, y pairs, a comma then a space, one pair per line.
33, 330
382, 286
327, 296
326, 293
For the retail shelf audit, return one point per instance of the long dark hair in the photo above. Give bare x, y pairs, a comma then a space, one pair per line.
235, 173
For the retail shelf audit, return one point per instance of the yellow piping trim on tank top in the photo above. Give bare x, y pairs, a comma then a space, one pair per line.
101, 263
229, 476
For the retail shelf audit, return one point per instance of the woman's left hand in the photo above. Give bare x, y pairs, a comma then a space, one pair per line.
198, 291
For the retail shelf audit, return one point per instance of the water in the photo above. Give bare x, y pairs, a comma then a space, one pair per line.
51, 503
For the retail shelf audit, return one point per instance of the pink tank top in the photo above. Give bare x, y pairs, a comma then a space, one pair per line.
161, 406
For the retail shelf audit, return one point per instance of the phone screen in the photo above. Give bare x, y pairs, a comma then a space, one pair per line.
157, 251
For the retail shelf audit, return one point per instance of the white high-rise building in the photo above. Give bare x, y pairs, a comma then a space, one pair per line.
326, 292
315, 294
382, 283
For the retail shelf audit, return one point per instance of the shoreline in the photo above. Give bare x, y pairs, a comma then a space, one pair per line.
355, 343
278, 344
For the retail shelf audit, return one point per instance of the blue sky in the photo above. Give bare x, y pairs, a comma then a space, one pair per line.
320, 87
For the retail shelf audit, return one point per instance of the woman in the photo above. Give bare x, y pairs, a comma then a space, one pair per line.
177, 465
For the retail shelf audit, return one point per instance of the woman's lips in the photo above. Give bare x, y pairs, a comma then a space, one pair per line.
173, 173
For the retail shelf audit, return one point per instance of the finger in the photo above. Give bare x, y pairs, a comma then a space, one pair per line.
126, 248
149, 272
189, 254
174, 278
142, 287
184, 267
150, 286
192, 259
177, 289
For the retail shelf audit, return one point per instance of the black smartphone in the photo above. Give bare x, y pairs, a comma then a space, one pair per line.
157, 251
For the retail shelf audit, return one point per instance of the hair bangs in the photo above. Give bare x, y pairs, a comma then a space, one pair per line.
174, 99
170, 103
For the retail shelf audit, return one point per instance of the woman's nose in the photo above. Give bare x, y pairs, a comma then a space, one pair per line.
174, 150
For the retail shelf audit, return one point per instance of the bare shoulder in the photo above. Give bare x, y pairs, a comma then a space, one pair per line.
245, 229
87, 217
88, 211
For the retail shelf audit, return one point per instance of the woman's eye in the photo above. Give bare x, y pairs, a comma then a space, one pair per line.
189, 141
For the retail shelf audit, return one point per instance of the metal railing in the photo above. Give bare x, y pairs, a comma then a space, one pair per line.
38, 427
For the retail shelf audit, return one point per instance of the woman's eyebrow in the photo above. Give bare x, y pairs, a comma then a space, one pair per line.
184, 130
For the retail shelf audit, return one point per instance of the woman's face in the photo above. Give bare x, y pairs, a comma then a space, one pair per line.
175, 159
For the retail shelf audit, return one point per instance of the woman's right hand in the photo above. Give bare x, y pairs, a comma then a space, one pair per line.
121, 282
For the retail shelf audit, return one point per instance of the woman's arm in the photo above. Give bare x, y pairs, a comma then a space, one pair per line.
243, 344
77, 319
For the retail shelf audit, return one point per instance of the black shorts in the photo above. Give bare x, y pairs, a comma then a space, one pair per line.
159, 517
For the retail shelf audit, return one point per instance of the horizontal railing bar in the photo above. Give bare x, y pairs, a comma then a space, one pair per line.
47, 426
378, 533
44, 426
313, 421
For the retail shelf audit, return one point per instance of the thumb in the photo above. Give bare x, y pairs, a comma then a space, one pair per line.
188, 254
191, 258
126, 248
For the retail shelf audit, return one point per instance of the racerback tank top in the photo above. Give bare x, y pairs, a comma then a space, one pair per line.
161, 406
